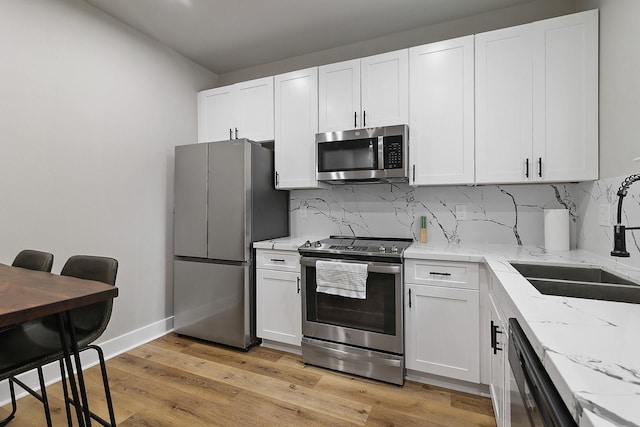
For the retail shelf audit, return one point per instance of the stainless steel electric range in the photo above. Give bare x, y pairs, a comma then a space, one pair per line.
352, 309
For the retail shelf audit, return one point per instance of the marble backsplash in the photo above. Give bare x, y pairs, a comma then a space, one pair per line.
499, 214
596, 238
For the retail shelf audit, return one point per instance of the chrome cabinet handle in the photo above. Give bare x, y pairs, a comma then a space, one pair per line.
355, 119
277, 260
277, 179
364, 119
414, 174
526, 169
298, 285
236, 133
409, 298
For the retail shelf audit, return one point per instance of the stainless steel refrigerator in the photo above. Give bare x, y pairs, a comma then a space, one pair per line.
224, 200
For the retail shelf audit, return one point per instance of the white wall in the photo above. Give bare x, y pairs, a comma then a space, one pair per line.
619, 85
89, 113
506, 17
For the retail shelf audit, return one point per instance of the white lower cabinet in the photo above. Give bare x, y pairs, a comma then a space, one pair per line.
498, 363
442, 312
278, 309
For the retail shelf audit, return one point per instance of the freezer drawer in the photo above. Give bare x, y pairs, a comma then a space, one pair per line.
214, 302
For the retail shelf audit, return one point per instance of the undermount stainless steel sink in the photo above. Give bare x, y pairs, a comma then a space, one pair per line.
580, 282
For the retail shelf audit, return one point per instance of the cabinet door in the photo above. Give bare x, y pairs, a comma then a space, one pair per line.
442, 334
503, 106
498, 359
441, 109
296, 117
215, 114
339, 96
278, 310
254, 109
565, 101
385, 89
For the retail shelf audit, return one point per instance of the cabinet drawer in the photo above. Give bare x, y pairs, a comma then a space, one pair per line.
278, 260
443, 273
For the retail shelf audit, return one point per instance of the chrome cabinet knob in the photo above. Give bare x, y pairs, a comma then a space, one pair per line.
382, 248
307, 244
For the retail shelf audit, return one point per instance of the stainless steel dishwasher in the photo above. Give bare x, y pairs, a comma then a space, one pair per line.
539, 403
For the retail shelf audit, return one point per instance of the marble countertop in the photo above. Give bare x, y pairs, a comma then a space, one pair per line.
590, 348
285, 243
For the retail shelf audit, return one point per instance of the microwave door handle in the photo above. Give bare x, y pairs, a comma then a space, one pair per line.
380, 153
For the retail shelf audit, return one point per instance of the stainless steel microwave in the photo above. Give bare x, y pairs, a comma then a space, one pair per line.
363, 155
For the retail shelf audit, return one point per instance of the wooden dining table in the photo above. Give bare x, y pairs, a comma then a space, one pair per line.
27, 295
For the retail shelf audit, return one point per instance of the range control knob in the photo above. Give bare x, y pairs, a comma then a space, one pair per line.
317, 244
307, 244
382, 248
394, 249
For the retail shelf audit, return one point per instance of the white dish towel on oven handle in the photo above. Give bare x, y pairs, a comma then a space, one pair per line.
346, 279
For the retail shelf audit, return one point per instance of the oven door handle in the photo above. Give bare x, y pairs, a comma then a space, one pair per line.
372, 267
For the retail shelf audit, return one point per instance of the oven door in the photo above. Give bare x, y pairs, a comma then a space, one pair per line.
373, 323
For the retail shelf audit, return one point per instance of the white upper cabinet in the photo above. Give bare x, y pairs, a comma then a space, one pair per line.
296, 125
537, 101
242, 110
367, 92
503, 105
339, 96
215, 114
565, 101
441, 122
384, 86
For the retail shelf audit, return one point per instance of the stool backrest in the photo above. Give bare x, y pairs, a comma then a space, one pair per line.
34, 260
93, 318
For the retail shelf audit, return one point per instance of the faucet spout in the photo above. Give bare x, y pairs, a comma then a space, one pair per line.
619, 238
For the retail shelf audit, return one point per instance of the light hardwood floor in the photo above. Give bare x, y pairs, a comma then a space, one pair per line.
178, 381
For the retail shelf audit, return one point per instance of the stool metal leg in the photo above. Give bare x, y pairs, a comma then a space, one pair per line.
14, 405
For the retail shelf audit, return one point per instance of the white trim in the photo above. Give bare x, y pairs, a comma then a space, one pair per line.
111, 348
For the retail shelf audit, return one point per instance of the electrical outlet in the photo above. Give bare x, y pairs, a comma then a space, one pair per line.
461, 212
604, 215
302, 212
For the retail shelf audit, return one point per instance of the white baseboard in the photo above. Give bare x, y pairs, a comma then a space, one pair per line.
111, 348
295, 349
450, 383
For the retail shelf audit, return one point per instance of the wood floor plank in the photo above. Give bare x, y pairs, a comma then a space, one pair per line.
472, 403
257, 365
259, 410
344, 409
186, 382
180, 381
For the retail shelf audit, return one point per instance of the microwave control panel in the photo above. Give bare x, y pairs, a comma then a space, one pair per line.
392, 151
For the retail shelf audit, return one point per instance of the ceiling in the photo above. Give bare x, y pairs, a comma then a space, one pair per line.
229, 35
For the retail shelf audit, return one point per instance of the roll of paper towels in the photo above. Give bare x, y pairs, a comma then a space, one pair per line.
556, 229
